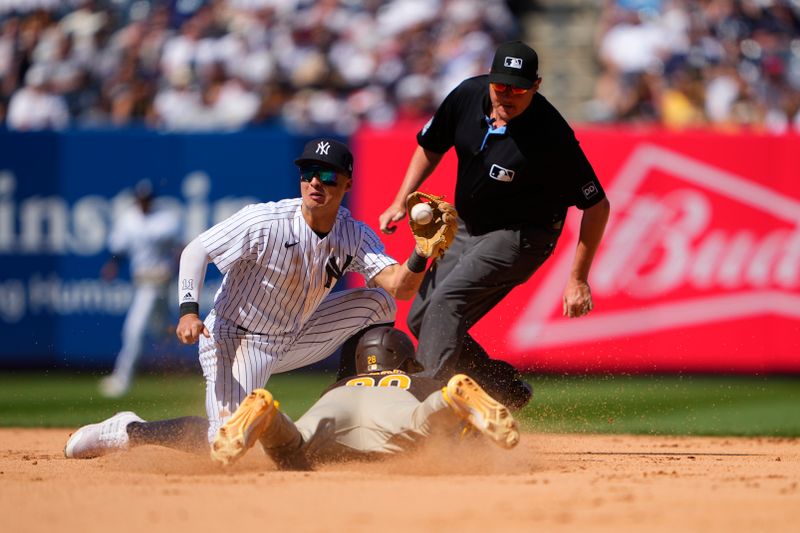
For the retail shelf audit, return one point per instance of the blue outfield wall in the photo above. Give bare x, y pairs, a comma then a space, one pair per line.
58, 193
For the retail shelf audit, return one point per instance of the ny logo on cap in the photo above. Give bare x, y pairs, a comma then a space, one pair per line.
513, 62
322, 147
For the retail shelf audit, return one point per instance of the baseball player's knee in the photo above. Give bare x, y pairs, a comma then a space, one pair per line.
389, 314
382, 316
384, 307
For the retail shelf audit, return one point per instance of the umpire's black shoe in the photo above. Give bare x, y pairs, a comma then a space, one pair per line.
517, 395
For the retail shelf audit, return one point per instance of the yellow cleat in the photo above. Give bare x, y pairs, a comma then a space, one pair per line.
469, 401
244, 428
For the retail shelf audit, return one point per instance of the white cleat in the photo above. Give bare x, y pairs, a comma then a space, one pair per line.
469, 401
102, 438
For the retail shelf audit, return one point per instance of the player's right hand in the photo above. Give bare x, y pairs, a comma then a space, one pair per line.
394, 214
189, 329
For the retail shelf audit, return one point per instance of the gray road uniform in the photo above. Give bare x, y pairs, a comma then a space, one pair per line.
274, 310
374, 414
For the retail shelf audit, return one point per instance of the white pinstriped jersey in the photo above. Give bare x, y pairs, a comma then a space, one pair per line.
277, 270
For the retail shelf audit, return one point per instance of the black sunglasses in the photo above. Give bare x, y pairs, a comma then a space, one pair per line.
325, 175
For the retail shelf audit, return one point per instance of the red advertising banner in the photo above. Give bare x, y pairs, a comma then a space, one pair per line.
699, 270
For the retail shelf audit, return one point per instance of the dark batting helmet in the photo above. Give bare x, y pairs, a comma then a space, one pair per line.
386, 348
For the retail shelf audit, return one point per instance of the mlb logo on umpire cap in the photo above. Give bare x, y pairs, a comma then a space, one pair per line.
328, 152
515, 63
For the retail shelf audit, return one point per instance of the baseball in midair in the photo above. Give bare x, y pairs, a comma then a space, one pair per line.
422, 213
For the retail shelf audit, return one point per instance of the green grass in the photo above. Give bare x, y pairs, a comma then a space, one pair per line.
68, 400
669, 405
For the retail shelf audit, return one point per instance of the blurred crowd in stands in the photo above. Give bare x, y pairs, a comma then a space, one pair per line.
700, 63
193, 65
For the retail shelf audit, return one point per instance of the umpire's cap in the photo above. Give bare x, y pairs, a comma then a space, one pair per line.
385, 348
515, 63
329, 152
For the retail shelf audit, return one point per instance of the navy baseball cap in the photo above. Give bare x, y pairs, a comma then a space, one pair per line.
328, 152
515, 63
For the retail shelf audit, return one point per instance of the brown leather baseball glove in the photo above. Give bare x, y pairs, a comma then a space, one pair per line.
437, 235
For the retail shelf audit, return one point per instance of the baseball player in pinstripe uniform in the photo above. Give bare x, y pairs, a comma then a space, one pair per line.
383, 410
150, 238
274, 311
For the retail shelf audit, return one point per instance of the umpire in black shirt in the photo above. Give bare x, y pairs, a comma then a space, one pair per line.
519, 169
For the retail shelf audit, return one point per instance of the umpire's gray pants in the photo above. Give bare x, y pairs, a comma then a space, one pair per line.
477, 272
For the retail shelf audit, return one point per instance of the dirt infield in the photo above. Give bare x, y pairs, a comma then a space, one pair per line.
548, 483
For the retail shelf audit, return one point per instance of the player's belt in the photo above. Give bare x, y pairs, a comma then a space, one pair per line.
245, 330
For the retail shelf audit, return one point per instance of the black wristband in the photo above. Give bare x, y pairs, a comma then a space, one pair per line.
416, 263
190, 308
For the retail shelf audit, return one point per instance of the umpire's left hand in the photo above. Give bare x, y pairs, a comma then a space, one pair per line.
577, 298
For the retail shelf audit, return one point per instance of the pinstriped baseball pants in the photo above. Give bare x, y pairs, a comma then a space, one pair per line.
235, 361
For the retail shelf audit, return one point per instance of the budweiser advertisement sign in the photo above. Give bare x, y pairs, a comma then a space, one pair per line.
699, 270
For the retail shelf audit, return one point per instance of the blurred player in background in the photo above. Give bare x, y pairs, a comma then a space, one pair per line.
150, 239
274, 311
519, 169
384, 410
